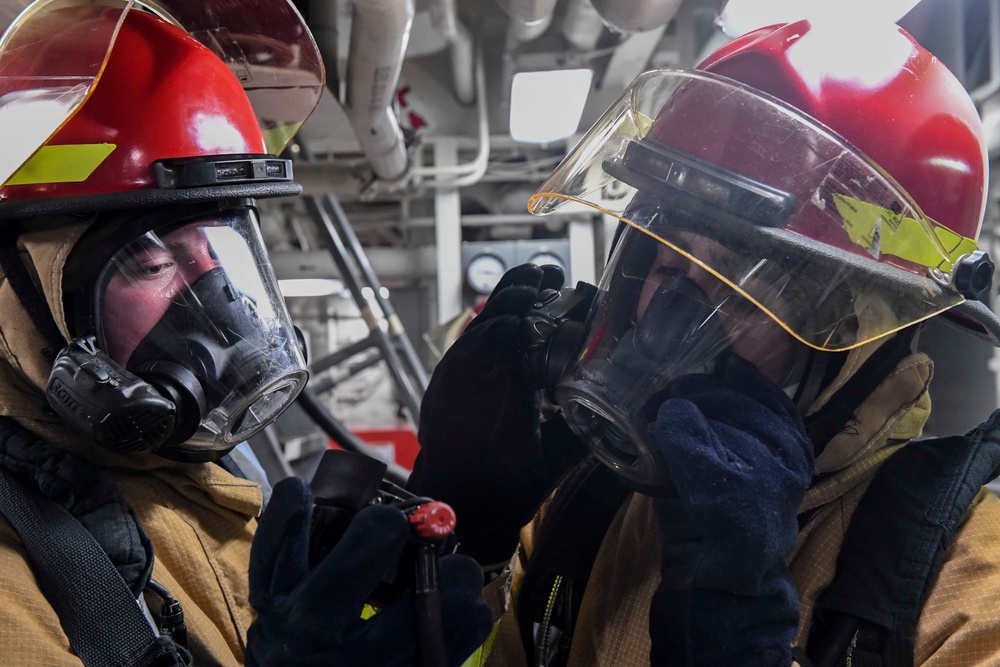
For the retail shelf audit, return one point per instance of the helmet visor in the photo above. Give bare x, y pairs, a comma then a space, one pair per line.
32, 108
199, 297
268, 47
804, 226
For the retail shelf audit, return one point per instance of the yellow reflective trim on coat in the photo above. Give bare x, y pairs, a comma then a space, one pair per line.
478, 658
70, 163
883, 232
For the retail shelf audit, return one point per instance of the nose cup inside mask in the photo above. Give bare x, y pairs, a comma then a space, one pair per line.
214, 335
611, 397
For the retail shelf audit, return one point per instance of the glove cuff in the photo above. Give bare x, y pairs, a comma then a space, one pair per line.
711, 627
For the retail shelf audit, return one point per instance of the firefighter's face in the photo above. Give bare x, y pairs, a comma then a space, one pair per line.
752, 334
148, 281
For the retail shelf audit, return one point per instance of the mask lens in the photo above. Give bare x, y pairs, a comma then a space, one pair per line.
601, 432
658, 317
201, 295
265, 408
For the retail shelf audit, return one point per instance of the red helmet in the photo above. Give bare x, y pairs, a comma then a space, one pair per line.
158, 125
135, 111
896, 103
848, 188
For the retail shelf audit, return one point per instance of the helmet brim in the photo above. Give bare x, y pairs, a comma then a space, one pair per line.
140, 199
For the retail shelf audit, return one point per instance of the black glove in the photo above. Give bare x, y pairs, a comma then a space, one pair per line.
481, 443
741, 462
313, 617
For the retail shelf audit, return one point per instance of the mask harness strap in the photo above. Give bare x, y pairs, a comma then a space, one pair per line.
24, 287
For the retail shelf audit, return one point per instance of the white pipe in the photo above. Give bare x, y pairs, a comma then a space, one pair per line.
444, 18
529, 18
462, 69
636, 16
527, 31
528, 11
379, 33
470, 172
582, 25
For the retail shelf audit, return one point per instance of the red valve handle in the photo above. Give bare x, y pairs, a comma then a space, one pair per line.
433, 521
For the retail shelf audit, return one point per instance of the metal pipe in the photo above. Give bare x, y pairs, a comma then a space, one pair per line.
528, 11
981, 93
340, 253
323, 26
444, 17
474, 170
527, 31
380, 30
636, 16
529, 18
337, 432
463, 72
582, 25
397, 334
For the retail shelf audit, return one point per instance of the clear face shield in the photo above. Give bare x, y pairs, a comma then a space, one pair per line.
659, 316
192, 309
749, 229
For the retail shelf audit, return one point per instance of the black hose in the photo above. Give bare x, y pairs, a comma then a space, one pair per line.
427, 610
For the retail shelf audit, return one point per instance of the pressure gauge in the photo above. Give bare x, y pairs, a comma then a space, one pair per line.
544, 257
484, 272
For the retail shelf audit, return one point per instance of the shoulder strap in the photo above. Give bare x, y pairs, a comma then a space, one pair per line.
103, 621
895, 546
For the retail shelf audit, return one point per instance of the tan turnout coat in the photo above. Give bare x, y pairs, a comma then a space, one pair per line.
960, 623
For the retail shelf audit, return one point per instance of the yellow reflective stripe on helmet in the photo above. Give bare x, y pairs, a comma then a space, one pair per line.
71, 163
276, 138
880, 231
955, 244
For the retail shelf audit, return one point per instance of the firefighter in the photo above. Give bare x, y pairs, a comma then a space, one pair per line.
747, 377
145, 339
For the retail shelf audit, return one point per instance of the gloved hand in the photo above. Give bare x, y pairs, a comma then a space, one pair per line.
313, 617
741, 462
483, 450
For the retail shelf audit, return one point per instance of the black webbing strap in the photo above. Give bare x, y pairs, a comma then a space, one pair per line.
103, 621
895, 545
570, 535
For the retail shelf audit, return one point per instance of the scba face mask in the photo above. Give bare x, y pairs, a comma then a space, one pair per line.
186, 346
659, 316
